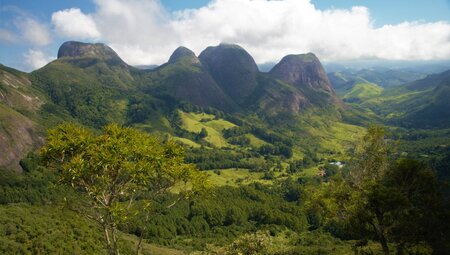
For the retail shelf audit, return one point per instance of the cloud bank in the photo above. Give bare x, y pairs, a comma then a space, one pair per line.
33, 31
143, 32
73, 23
36, 59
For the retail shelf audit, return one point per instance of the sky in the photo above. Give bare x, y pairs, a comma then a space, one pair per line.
145, 32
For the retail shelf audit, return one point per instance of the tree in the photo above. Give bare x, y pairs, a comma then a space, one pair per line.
113, 168
388, 201
258, 243
202, 134
370, 161
371, 206
424, 218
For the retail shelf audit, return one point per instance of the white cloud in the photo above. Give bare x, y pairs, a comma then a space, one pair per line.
7, 36
35, 59
33, 31
75, 24
142, 32
271, 29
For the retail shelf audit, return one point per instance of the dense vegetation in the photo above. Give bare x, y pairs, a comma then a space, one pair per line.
293, 170
398, 203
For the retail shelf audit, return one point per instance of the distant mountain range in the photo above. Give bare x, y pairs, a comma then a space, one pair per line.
418, 66
382, 77
417, 102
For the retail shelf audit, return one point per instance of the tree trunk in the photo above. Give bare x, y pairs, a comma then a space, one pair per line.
107, 239
384, 244
138, 248
381, 236
401, 249
141, 236
114, 241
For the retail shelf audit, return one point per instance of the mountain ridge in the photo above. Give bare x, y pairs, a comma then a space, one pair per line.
92, 85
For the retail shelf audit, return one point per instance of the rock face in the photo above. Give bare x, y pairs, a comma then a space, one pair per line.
233, 69
84, 54
277, 98
94, 63
306, 73
19, 134
79, 49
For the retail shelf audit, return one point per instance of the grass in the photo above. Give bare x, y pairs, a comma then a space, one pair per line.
309, 172
255, 141
151, 249
330, 138
363, 91
234, 177
30, 229
395, 102
186, 141
44, 230
340, 137
194, 122
155, 123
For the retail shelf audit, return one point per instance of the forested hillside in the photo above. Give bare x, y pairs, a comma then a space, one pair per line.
208, 155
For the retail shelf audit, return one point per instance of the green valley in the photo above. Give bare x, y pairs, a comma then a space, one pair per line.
216, 157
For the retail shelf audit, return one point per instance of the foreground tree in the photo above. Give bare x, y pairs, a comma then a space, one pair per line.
394, 202
424, 214
370, 202
115, 167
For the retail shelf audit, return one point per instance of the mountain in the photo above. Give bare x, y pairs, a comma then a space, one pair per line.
227, 78
383, 77
185, 78
264, 140
275, 98
358, 90
90, 84
89, 81
182, 53
19, 106
306, 73
435, 112
98, 51
420, 104
233, 69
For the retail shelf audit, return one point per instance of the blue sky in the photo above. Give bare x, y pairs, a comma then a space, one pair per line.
384, 11
31, 31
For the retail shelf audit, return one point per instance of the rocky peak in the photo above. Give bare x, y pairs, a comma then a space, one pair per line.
306, 73
301, 70
74, 49
228, 54
233, 69
183, 53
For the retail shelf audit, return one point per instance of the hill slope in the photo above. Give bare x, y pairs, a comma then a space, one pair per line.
19, 104
421, 104
185, 78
